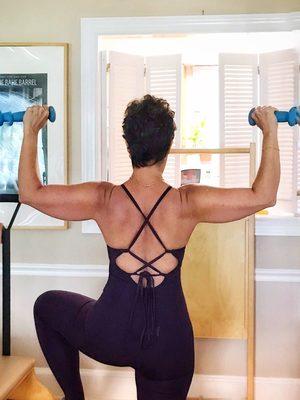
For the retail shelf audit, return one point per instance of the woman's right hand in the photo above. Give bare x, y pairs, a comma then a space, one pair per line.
35, 118
265, 118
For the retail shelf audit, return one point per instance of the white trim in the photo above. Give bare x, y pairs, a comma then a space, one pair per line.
62, 270
102, 271
193, 23
277, 226
91, 28
90, 226
282, 275
88, 112
119, 384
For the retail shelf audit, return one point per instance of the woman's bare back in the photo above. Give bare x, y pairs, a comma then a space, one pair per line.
120, 220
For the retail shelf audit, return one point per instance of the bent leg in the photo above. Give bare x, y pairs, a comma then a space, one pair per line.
171, 389
60, 338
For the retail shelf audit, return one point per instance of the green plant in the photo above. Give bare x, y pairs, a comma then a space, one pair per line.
197, 133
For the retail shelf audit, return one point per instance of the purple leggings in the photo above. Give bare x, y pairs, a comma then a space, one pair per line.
68, 322
147, 328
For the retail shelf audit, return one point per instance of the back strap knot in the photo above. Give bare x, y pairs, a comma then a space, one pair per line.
149, 303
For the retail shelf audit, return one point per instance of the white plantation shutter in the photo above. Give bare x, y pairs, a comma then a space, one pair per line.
163, 79
279, 88
298, 139
238, 94
298, 178
102, 141
126, 82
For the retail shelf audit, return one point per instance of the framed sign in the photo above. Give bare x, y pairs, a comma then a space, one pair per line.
33, 73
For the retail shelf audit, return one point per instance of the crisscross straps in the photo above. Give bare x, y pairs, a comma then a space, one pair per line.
148, 293
147, 218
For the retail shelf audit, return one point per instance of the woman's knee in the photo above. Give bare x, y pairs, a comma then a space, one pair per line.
42, 302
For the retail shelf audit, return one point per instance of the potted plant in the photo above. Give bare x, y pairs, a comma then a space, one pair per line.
197, 138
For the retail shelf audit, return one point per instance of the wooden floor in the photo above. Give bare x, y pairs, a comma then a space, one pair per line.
12, 371
18, 380
212, 398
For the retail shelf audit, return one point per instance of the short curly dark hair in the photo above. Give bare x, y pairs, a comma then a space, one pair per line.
149, 129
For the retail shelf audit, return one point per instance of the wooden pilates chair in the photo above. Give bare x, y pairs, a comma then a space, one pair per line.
19, 382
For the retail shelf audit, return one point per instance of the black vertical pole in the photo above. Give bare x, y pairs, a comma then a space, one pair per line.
6, 312
6, 291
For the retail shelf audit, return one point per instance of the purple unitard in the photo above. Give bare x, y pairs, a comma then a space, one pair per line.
136, 324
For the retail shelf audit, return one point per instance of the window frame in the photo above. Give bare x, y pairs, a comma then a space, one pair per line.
93, 28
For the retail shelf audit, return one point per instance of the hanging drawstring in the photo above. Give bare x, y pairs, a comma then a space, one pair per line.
149, 303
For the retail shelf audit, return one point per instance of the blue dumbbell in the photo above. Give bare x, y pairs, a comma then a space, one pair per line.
292, 116
10, 117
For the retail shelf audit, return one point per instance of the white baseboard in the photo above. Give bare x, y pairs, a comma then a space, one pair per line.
101, 271
110, 384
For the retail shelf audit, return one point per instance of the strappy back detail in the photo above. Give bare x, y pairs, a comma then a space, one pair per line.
146, 221
147, 292
175, 252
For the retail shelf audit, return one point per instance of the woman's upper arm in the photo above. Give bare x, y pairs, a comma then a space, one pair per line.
76, 202
216, 204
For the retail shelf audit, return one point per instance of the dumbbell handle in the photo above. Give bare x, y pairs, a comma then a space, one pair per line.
10, 117
292, 116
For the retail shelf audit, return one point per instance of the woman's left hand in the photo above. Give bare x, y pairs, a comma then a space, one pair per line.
35, 118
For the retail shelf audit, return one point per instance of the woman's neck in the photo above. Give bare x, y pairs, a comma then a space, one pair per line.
147, 176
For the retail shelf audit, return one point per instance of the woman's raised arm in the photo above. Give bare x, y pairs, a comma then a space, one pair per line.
76, 202
215, 204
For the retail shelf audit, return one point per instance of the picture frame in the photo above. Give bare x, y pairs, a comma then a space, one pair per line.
190, 175
33, 73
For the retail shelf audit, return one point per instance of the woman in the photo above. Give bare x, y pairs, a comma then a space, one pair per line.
141, 319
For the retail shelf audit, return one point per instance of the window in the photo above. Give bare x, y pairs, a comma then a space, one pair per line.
199, 43
130, 76
235, 85
267, 78
279, 78
200, 123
